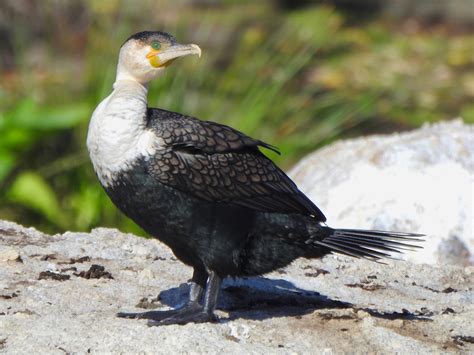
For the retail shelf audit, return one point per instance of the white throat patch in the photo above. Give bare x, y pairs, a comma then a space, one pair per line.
117, 134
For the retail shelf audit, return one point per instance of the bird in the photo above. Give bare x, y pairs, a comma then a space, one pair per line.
207, 190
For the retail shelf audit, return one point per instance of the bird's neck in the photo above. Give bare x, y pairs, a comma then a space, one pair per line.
117, 133
127, 102
130, 88
124, 110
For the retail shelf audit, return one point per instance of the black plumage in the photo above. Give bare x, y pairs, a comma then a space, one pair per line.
222, 165
222, 206
209, 193
148, 36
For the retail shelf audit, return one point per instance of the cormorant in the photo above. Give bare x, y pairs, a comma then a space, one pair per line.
205, 189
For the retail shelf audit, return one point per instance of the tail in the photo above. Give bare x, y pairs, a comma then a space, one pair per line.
368, 244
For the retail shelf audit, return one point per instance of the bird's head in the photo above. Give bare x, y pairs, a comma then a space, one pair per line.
147, 53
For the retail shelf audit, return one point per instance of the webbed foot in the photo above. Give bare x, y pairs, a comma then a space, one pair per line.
186, 315
192, 312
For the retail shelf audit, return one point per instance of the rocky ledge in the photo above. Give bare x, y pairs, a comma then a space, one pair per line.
60, 293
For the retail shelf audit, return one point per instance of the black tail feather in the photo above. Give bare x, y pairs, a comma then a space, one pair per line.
372, 244
375, 241
369, 244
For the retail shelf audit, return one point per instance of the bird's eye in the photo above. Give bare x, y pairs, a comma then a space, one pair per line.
155, 45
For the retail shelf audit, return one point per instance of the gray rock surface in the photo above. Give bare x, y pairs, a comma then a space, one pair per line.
420, 181
52, 301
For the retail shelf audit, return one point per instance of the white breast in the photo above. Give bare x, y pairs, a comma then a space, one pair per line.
117, 134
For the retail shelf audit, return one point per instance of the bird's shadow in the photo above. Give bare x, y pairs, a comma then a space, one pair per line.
258, 298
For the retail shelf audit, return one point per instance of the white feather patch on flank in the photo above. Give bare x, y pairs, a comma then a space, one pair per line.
117, 134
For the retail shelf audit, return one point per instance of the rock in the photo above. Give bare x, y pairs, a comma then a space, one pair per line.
145, 276
419, 181
8, 254
353, 306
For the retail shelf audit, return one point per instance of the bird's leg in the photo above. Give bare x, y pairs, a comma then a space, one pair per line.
195, 292
193, 304
196, 313
212, 292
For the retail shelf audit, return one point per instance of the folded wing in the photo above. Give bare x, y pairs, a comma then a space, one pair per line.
220, 164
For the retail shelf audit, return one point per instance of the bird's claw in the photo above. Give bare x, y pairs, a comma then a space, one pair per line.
184, 318
190, 313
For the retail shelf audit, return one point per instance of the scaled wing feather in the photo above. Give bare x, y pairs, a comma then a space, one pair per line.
220, 164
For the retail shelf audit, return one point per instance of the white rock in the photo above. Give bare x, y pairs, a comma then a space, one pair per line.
403, 309
52, 267
239, 331
8, 254
420, 181
145, 276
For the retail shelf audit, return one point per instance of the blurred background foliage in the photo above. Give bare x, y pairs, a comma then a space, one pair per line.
297, 74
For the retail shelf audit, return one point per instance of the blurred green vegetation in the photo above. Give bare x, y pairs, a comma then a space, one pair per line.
297, 79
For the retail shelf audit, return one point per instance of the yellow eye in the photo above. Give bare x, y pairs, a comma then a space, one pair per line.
155, 45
